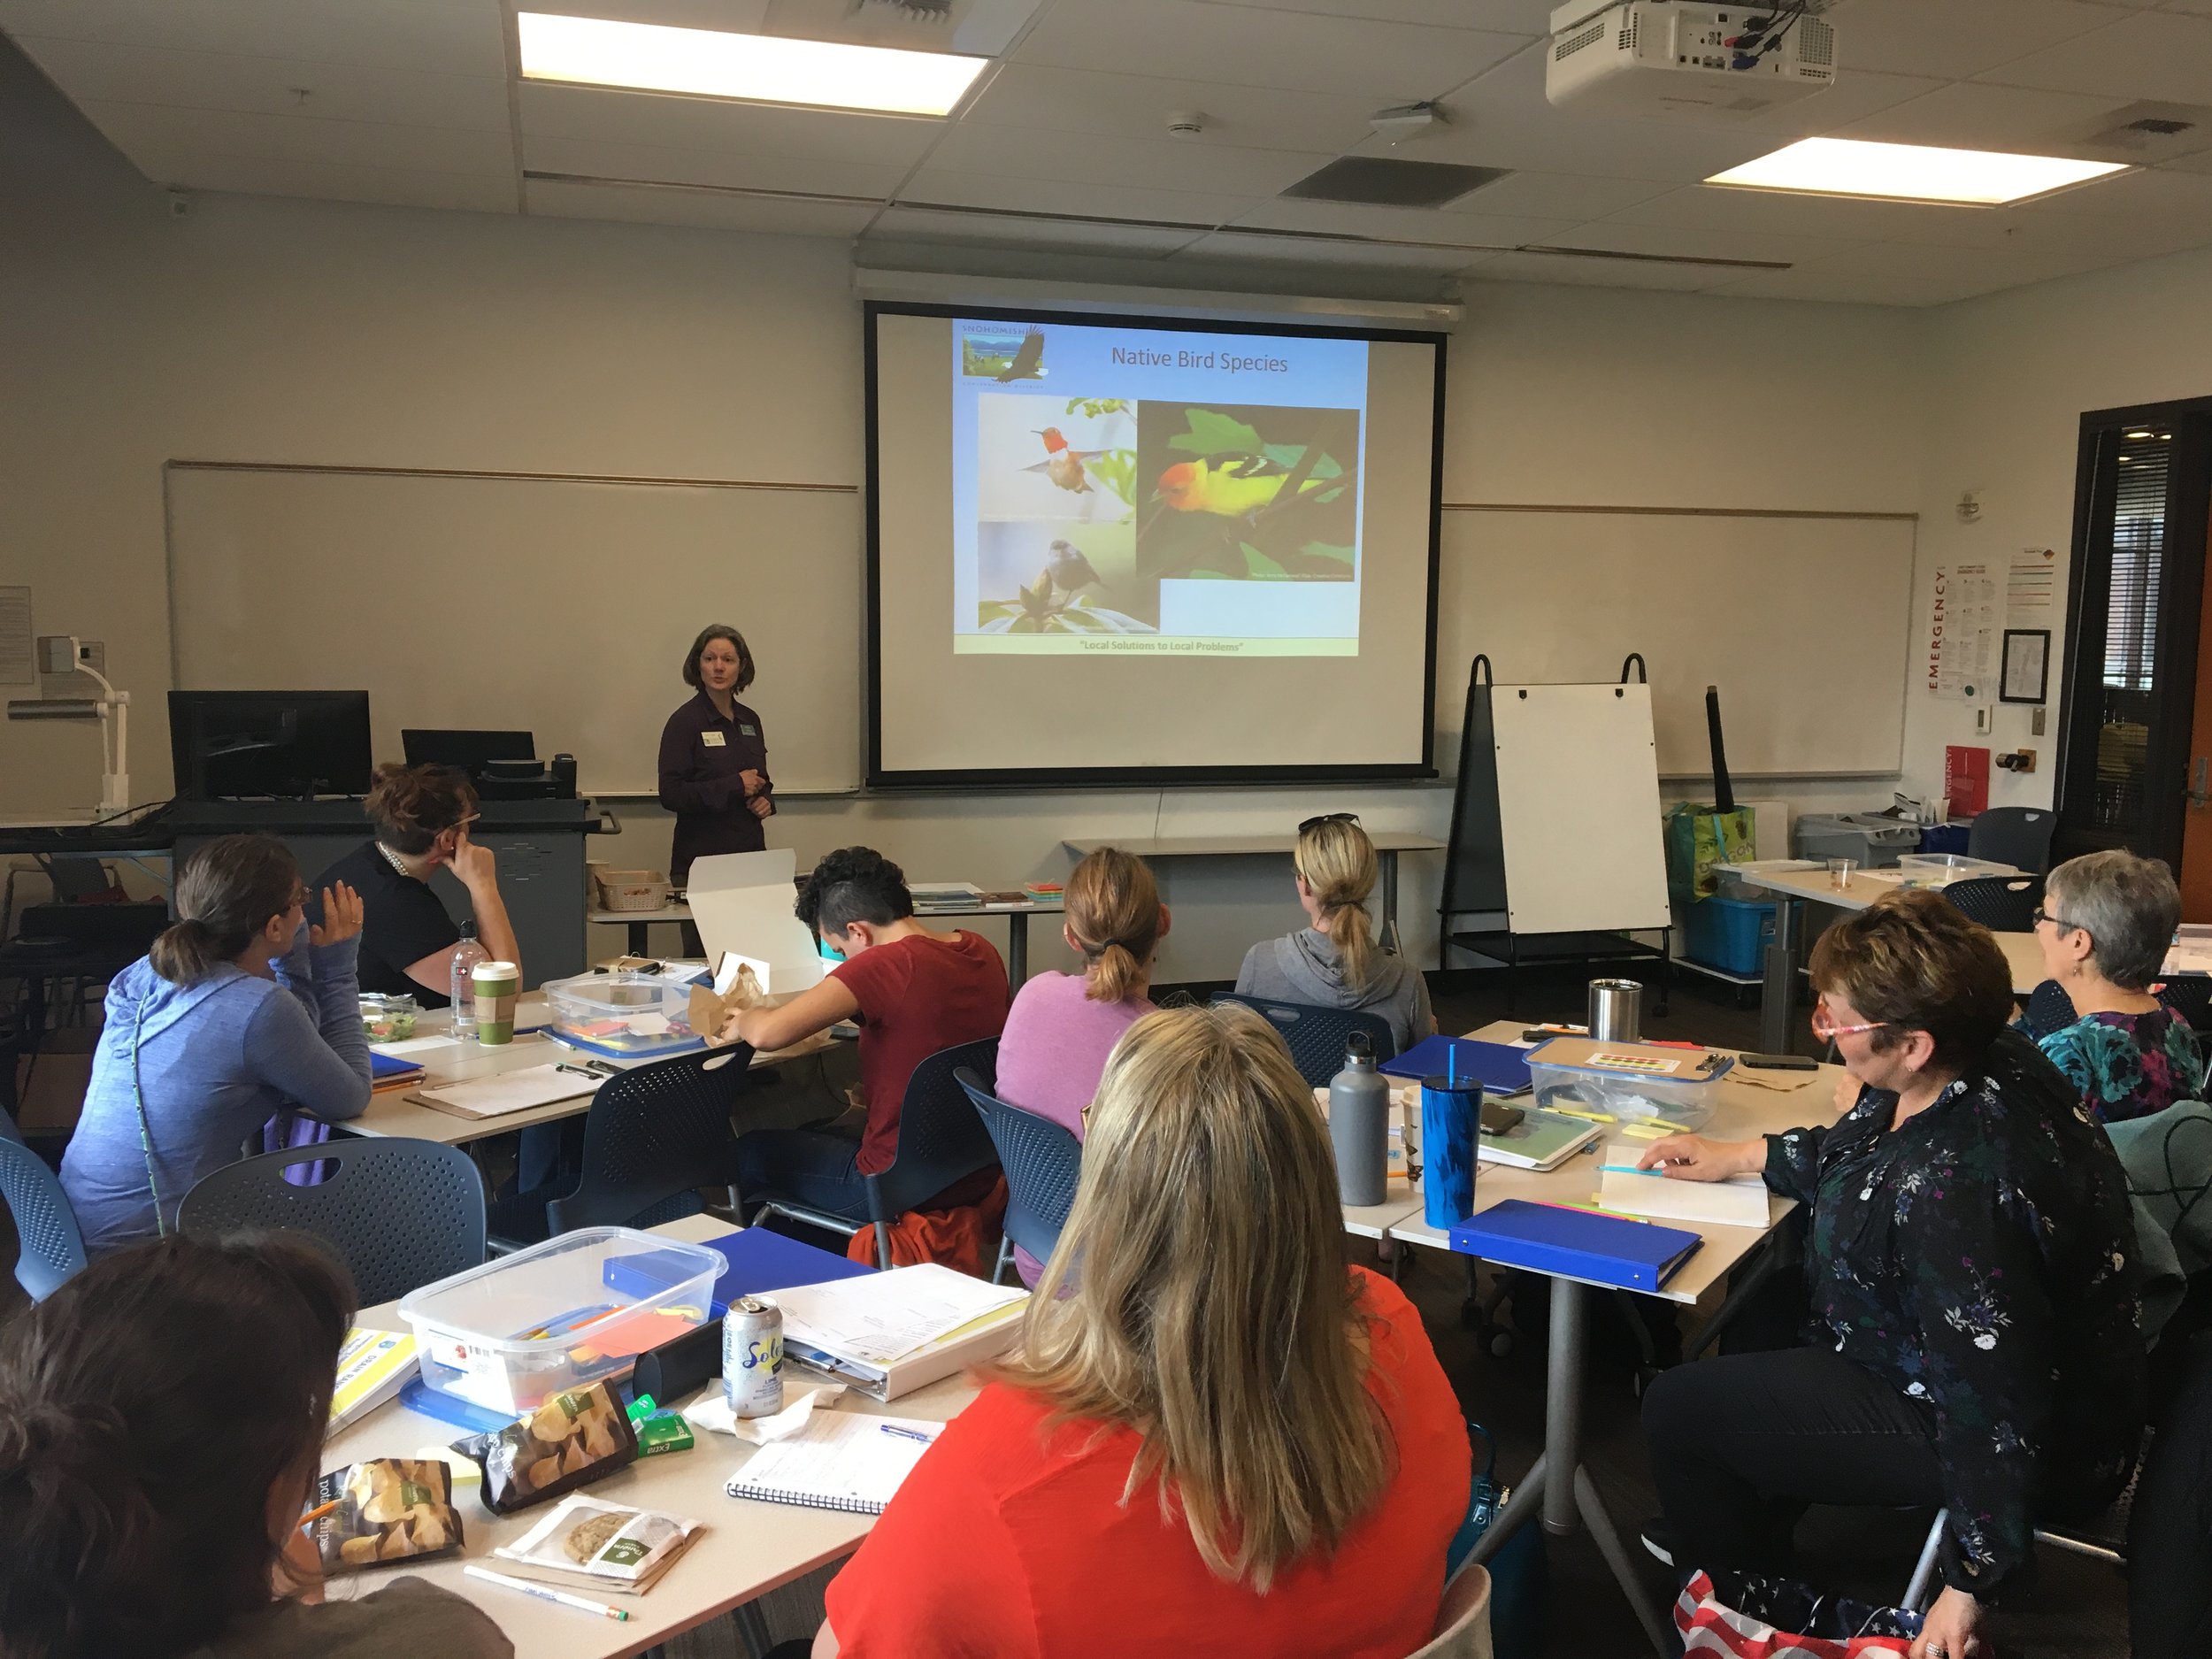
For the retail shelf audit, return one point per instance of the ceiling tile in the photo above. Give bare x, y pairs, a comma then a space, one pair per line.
145, 133
910, 224
1294, 50
1137, 106
1411, 225
1687, 243
1854, 97
949, 188
1558, 196
1956, 38
658, 164
2142, 55
1090, 158
2148, 193
1975, 115
337, 181
720, 127
1301, 251
1909, 275
99, 72
1513, 17
1712, 207
712, 209
452, 36
1604, 273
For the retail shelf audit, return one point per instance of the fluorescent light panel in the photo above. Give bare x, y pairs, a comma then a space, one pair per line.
763, 68
1911, 172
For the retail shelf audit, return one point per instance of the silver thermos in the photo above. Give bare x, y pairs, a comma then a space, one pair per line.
1616, 1011
1359, 1125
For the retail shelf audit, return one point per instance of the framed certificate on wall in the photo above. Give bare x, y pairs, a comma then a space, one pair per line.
2026, 677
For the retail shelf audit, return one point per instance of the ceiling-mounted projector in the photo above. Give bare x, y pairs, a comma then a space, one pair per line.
1649, 57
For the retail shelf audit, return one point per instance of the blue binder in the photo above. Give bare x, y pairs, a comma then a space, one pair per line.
760, 1260
384, 1067
1576, 1244
1501, 1068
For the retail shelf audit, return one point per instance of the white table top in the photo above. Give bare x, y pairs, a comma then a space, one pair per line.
623, 918
1862, 889
457, 1060
746, 1547
1743, 1109
1233, 846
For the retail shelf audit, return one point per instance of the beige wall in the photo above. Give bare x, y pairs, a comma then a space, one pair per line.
274, 330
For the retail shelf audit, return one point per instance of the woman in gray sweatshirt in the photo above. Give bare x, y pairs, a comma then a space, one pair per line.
1336, 962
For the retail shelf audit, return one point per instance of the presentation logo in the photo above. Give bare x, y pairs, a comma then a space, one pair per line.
1003, 353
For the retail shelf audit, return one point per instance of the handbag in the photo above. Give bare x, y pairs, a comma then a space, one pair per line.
1517, 1568
1742, 1615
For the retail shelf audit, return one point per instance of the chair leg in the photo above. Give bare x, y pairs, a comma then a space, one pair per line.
1924, 1570
1005, 1260
752, 1629
883, 1244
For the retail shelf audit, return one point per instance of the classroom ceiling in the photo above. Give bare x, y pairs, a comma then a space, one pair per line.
1063, 149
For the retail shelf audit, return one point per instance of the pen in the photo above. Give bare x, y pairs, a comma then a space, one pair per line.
1583, 1112
546, 1593
908, 1434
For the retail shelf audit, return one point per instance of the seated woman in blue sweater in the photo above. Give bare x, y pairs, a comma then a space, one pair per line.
237, 1011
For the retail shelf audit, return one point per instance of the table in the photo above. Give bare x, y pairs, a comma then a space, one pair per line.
1557, 1483
2025, 956
1016, 926
746, 1549
1388, 845
458, 1060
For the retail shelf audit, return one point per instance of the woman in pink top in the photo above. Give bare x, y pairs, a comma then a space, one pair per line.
1062, 1025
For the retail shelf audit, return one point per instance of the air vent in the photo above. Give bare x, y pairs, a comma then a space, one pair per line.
2147, 132
2160, 129
1382, 182
1567, 46
1816, 42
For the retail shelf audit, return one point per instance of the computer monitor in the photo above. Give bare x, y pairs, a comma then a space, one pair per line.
284, 745
468, 750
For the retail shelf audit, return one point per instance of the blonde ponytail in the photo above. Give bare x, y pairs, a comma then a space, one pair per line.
1338, 864
1114, 912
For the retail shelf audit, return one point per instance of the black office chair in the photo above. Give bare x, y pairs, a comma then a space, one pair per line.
1314, 1036
49, 1247
2189, 995
401, 1214
2049, 1009
653, 1136
2003, 904
941, 1142
1043, 1161
2015, 835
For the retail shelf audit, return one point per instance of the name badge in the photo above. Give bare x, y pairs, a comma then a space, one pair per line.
750, 731
712, 739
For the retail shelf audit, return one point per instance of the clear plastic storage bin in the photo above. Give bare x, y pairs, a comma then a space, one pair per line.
1636, 1081
565, 1314
1940, 869
623, 1015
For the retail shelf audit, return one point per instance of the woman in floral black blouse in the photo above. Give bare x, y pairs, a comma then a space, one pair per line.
1972, 1341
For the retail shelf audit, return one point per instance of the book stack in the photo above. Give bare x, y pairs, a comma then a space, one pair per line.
388, 1073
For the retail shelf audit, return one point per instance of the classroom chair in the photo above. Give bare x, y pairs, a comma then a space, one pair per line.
2015, 835
400, 1214
49, 1247
2049, 1010
654, 1134
1043, 1162
2003, 904
1463, 1619
2189, 995
1314, 1036
942, 1140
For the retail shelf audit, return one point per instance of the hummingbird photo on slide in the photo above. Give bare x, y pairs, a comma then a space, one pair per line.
1062, 466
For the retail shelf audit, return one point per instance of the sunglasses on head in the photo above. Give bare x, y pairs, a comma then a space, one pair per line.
1313, 823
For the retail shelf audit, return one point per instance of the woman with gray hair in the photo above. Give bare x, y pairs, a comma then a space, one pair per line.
2104, 926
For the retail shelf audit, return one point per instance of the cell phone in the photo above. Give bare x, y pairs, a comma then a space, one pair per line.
1781, 1062
1497, 1117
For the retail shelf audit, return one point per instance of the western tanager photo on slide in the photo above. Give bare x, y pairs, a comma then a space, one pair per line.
1246, 493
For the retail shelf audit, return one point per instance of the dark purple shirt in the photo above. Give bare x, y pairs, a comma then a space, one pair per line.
701, 756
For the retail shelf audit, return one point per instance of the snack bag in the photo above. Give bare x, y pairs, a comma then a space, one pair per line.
570, 1442
389, 1509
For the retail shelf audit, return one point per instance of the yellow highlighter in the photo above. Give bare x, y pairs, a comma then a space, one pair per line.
1584, 1113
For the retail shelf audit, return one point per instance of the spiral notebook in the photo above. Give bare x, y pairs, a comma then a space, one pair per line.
841, 1460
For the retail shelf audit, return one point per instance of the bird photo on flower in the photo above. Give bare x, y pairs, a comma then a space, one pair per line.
1246, 493
1069, 578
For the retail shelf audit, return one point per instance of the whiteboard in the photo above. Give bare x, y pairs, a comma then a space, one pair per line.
562, 606
1579, 809
1803, 622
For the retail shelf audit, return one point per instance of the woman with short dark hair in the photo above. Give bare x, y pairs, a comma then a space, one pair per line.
161, 1432
714, 761
2105, 924
1972, 1339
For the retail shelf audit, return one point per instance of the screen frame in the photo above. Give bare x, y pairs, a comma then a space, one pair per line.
879, 777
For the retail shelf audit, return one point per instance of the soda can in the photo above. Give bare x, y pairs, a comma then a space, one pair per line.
752, 1357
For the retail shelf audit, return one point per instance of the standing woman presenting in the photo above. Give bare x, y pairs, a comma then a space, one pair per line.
714, 761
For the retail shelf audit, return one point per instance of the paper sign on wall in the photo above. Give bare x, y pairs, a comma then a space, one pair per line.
1961, 644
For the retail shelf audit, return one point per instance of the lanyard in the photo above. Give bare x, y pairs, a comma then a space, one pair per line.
145, 1129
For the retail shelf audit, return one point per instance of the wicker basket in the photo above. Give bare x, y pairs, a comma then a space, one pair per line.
631, 889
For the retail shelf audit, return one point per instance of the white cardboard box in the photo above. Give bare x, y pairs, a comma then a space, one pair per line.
741, 904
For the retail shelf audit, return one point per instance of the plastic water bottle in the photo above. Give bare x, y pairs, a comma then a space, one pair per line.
466, 954
1359, 1125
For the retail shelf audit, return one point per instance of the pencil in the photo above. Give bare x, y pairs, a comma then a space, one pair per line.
319, 1511
546, 1593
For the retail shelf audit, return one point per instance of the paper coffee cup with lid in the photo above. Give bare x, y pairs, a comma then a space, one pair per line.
498, 986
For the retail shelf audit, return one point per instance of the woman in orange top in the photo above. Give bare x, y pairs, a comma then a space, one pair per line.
1218, 1438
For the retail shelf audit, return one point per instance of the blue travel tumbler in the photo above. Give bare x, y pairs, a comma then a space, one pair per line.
1450, 1108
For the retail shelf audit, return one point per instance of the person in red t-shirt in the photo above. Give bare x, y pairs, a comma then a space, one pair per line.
912, 990
1218, 1438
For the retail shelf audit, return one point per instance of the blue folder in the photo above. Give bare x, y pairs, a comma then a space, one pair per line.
382, 1066
760, 1260
1501, 1068
1576, 1244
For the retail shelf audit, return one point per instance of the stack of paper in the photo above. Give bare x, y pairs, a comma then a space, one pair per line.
839, 1461
1740, 1201
373, 1366
887, 1333
510, 1091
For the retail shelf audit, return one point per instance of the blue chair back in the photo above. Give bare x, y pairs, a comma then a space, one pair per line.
654, 1134
400, 1214
49, 1247
941, 1139
1314, 1036
1043, 1163
2049, 1009
2003, 904
2015, 835
2189, 995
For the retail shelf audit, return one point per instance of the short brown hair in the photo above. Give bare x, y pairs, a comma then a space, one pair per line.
1913, 961
712, 631
412, 806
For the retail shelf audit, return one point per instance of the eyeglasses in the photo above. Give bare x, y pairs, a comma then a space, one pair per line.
1312, 824
1825, 1028
2039, 916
